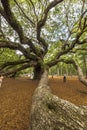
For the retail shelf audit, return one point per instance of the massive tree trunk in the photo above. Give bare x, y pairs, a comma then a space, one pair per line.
38, 71
49, 112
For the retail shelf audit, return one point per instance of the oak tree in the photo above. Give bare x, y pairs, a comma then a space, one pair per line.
45, 31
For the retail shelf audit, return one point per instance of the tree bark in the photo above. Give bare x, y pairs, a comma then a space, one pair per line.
85, 66
86, 73
38, 71
81, 76
49, 112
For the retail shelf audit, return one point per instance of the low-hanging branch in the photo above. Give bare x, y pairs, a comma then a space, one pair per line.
22, 67
17, 46
13, 63
78, 69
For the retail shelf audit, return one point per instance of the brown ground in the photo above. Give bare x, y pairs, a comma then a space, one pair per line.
16, 96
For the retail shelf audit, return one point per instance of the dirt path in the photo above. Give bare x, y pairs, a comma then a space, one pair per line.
16, 97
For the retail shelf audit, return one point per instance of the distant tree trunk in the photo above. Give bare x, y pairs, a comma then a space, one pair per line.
38, 70
13, 75
58, 71
0, 20
85, 66
49, 112
86, 73
80, 73
81, 76
61, 71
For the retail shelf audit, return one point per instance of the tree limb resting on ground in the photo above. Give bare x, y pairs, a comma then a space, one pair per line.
49, 112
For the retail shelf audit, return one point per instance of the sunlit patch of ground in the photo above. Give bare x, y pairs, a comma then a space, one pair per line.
16, 97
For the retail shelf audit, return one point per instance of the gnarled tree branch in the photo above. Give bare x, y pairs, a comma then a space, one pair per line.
17, 46
13, 63
23, 66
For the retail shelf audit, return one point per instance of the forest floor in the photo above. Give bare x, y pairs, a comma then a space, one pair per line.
16, 97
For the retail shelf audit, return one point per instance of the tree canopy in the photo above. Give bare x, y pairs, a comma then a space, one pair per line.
42, 32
